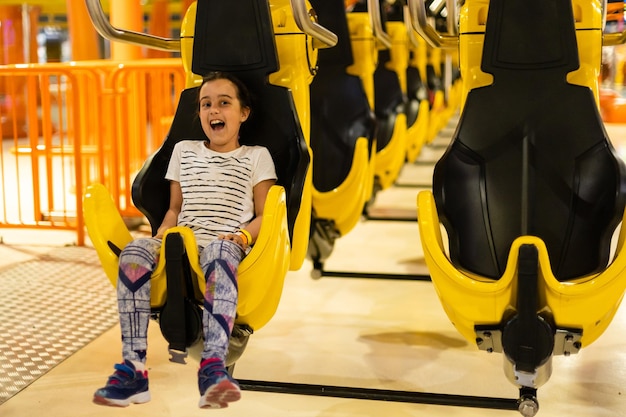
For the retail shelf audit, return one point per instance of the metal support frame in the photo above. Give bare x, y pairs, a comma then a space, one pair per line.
372, 275
380, 395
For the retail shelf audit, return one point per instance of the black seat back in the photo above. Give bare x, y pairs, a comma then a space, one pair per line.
235, 37
530, 155
340, 111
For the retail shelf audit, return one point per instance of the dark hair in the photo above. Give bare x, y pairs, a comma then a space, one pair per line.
243, 94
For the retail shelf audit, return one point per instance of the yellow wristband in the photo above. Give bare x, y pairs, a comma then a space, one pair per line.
247, 235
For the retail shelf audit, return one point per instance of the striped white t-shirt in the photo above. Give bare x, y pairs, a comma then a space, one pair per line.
217, 187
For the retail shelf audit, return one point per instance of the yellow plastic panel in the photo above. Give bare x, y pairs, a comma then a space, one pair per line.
268, 261
472, 23
390, 159
368, 188
263, 270
297, 59
588, 303
399, 52
418, 132
104, 224
344, 204
588, 16
187, 32
364, 51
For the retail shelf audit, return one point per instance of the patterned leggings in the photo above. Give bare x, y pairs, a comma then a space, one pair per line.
219, 261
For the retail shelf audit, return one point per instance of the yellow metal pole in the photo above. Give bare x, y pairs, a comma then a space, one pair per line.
126, 15
83, 35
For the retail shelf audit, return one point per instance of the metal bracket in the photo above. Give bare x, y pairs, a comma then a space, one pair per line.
567, 342
489, 340
178, 356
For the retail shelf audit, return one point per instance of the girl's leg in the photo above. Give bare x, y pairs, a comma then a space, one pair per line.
219, 261
136, 264
129, 383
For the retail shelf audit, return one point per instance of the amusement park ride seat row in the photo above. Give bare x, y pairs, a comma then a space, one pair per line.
526, 273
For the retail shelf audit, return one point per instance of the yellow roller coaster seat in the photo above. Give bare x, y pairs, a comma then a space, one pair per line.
529, 196
588, 303
259, 293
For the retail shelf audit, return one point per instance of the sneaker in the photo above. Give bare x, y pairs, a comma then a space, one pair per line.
127, 385
217, 387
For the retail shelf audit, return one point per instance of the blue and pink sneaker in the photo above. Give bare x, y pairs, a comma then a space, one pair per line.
126, 386
217, 387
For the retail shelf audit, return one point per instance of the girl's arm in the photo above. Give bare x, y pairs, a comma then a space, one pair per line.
171, 216
259, 195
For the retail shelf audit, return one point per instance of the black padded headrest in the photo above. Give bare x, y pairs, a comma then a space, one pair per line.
233, 36
530, 155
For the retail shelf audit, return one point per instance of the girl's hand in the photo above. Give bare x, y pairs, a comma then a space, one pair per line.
234, 237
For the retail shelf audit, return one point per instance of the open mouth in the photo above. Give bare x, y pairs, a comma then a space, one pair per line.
217, 124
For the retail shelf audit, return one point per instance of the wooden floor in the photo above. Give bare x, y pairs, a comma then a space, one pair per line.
381, 334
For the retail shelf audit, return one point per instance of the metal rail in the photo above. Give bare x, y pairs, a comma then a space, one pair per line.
380, 395
108, 31
100, 21
325, 37
419, 20
373, 8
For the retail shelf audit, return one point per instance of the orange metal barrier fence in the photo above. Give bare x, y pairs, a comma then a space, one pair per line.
67, 125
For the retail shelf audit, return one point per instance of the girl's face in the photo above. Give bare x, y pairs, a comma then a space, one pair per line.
221, 114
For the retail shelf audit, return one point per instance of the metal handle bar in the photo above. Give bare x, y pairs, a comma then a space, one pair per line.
417, 10
409, 28
451, 23
613, 39
373, 7
108, 31
305, 24
610, 39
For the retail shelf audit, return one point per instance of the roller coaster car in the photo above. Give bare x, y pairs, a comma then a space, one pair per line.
530, 191
178, 282
343, 129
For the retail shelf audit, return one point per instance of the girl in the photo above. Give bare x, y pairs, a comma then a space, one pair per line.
218, 189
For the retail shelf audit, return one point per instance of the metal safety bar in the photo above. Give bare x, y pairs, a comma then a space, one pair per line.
303, 20
419, 20
108, 31
324, 37
373, 7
